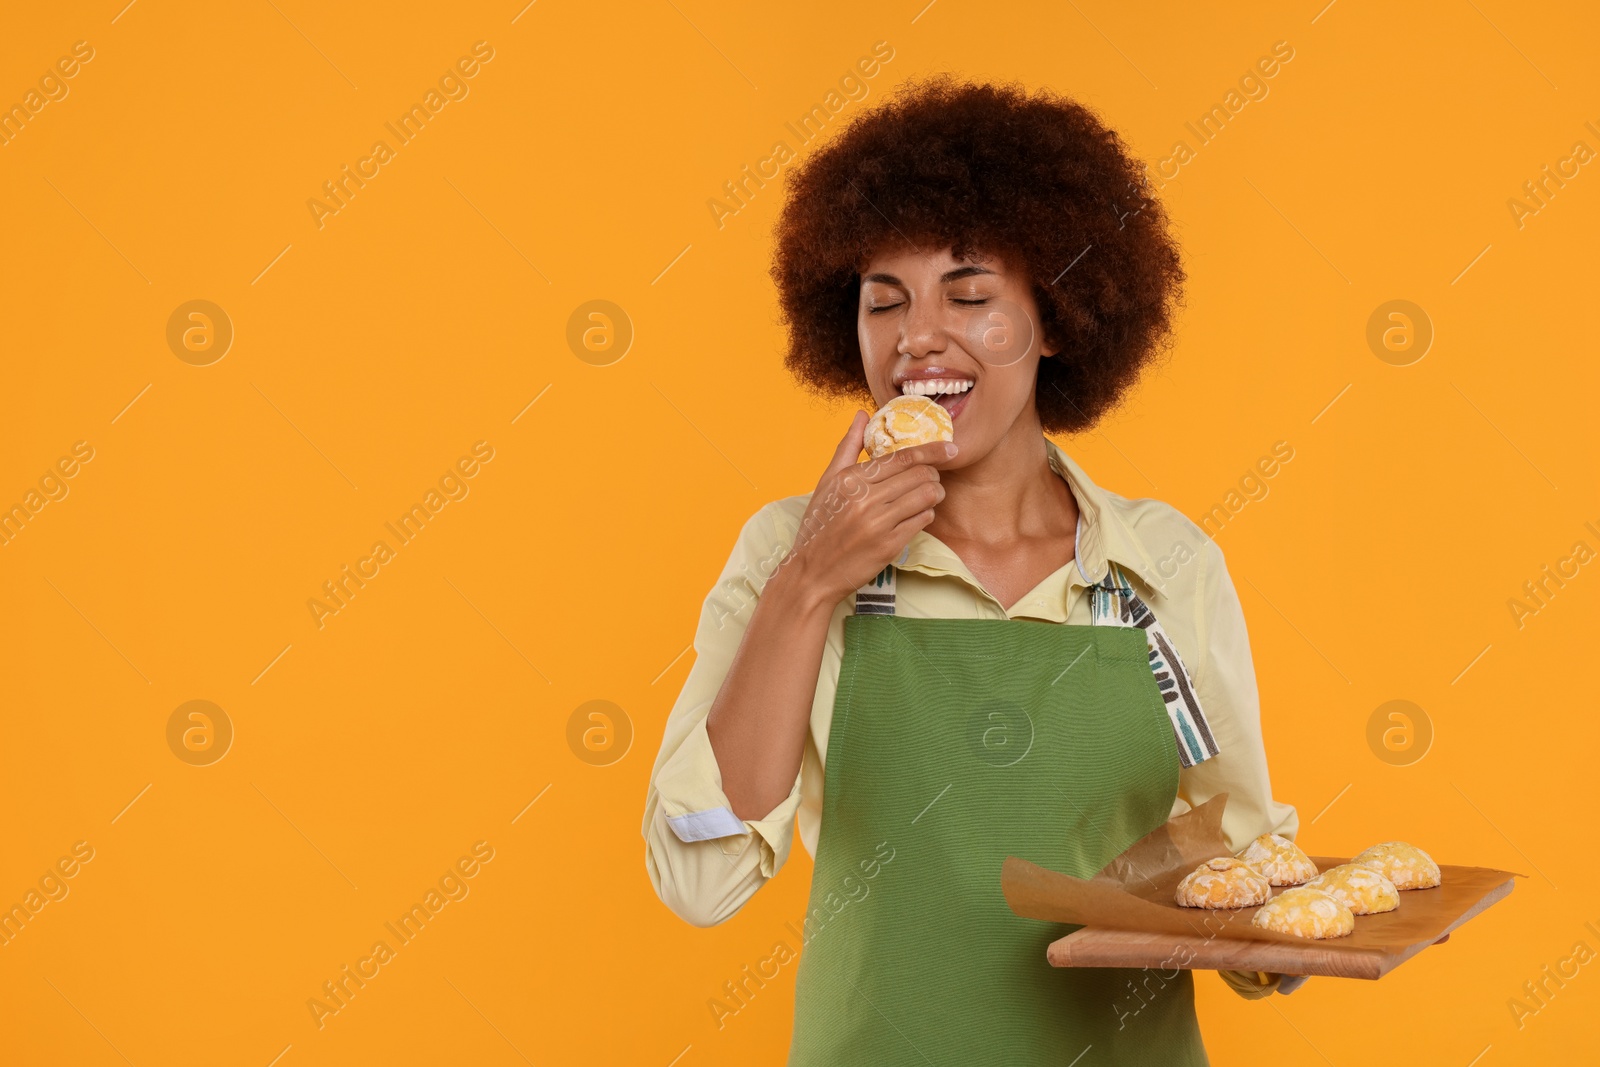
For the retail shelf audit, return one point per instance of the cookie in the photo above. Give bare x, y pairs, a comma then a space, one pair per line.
1364, 890
1280, 859
906, 421
1306, 912
1224, 882
1407, 866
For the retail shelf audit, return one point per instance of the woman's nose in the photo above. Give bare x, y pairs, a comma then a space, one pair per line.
923, 331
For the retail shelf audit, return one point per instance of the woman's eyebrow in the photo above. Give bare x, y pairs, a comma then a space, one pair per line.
948, 276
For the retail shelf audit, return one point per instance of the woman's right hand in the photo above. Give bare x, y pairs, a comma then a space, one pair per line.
861, 515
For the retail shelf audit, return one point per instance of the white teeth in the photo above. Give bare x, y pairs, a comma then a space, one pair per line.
934, 386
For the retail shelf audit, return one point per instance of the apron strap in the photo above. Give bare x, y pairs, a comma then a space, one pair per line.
877, 596
1113, 603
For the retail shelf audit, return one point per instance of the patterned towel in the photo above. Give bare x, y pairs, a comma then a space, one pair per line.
1114, 603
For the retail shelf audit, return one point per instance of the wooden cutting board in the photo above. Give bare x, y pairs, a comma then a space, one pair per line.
1379, 944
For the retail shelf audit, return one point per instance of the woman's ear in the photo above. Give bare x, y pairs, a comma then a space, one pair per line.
1049, 343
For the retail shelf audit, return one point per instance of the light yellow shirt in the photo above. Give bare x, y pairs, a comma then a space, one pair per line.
705, 862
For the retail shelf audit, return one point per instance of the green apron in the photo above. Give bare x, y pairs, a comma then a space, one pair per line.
956, 743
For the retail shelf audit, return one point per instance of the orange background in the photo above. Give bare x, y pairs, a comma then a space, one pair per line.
370, 353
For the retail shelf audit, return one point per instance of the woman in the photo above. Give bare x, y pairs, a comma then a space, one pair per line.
945, 657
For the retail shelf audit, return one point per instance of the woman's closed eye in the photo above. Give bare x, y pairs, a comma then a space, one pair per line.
970, 302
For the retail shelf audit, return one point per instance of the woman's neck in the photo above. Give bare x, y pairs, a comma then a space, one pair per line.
1010, 495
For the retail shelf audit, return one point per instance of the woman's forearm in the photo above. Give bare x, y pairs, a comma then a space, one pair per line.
757, 723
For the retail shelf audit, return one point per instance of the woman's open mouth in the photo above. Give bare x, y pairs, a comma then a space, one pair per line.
949, 393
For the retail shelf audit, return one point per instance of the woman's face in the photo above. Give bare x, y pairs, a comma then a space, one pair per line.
965, 332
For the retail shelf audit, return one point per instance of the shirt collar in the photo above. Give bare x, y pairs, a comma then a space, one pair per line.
1103, 536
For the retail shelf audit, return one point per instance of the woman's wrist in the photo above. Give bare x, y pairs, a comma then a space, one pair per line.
797, 592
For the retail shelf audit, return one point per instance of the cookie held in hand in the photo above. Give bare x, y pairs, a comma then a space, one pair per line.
1306, 912
1280, 859
906, 421
1224, 882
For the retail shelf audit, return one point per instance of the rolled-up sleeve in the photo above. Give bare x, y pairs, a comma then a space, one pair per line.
1225, 680
703, 860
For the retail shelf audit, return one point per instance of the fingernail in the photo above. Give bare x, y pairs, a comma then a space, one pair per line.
950, 448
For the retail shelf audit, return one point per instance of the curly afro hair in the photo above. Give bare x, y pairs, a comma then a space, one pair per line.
984, 169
